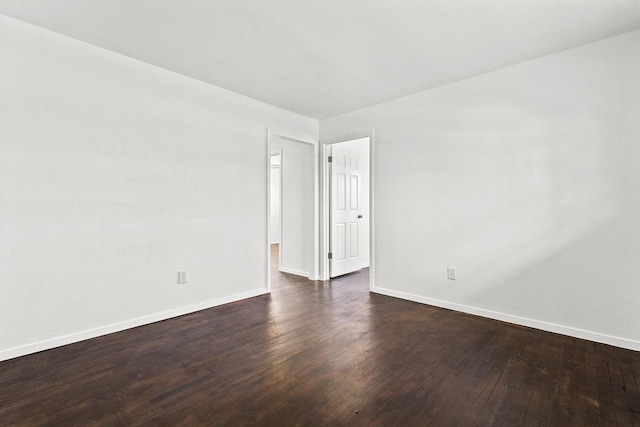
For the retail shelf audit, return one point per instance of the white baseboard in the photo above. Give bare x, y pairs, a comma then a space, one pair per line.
121, 326
523, 321
294, 271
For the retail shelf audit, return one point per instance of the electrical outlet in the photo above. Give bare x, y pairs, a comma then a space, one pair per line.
182, 277
451, 273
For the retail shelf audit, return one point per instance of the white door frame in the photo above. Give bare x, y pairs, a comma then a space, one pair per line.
325, 188
271, 134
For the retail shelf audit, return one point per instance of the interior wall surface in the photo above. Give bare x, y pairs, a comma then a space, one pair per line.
114, 176
274, 205
526, 181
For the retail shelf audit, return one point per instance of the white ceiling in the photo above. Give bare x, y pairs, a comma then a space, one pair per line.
321, 58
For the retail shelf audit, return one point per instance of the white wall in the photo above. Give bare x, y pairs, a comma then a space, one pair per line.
527, 180
114, 175
274, 208
296, 246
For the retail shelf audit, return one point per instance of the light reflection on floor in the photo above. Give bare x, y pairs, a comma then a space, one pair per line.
340, 315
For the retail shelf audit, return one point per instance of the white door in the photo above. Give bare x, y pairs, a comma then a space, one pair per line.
345, 236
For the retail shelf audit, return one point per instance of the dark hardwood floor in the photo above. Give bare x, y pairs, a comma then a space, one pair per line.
324, 353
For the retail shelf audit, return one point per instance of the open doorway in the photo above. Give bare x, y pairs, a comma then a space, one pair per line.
275, 205
347, 195
292, 206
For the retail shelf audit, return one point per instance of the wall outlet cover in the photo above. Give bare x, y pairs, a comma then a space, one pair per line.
182, 277
451, 273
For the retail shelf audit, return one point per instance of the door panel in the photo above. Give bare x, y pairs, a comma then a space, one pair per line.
341, 242
341, 188
353, 239
354, 182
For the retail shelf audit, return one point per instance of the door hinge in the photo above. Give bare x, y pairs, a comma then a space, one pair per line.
330, 255
330, 159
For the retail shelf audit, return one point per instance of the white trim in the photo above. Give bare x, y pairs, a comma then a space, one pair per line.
517, 320
316, 213
267, 279
281, 238
121, 326
324, 202
288, 138
294, 271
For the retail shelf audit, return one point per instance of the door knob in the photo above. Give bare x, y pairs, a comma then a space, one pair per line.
359, 216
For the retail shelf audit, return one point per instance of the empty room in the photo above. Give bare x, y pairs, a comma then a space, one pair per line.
341, 213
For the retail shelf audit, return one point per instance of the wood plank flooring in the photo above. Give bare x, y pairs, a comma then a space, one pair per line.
324, 353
